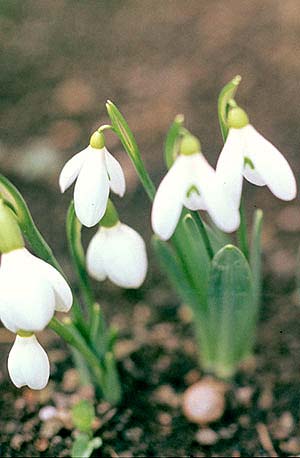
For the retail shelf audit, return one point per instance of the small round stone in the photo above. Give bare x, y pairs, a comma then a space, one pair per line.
204, 401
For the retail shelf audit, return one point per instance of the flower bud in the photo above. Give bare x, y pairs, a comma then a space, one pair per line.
10, 233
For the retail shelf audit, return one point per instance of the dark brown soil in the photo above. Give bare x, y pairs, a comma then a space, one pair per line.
61, 60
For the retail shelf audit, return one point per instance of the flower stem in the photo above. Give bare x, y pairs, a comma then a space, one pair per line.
198, 220
242, 233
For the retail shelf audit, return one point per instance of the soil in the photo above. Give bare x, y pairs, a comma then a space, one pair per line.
61, 60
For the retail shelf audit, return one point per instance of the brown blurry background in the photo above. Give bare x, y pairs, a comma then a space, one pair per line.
62, 59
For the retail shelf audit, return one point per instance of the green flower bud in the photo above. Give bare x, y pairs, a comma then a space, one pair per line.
97, 140
111, 217
237, 118
190, 145
10, 233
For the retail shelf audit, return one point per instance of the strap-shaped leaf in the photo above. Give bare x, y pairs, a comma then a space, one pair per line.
255, 254
231, 307
226, 94
172, 139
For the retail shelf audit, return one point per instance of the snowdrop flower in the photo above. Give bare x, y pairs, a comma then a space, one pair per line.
193, 183
97, 171
28, 363
247, 153
30, 291
117, 252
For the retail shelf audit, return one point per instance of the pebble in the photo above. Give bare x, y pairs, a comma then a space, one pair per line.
204, 402
50, 428
192, 377
164, 419
244, 395
47, 412
134, 434
41, 444
17, 441
71, 380
291, 446
284, 426
166, 395
265, 400
206, 436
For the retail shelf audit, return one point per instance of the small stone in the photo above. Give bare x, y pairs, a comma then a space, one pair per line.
17, 442
41, 444
185, 313
124, 348
207, 436
166, 395
265, 400
71, 380
192, 377
47, 412
244, 421
134, 434
244, 395
283, 426
292, 446
50, 428
204, 402
164, 419
229, 432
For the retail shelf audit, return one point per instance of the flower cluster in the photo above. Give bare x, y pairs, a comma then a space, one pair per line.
193, 183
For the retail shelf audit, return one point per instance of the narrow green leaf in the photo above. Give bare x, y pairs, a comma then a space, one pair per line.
83, 447
231, 307
171, 140
255, 254
227, 93
126, 136
111, 386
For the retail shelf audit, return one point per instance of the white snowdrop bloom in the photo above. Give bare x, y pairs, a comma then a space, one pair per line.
246, 153
119, 253
28, 363
30, 291
193, 183
97, 171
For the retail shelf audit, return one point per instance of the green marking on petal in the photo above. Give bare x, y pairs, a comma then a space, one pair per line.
248, 161
191, 190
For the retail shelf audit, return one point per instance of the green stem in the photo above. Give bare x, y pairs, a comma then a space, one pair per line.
242, 233
198, 220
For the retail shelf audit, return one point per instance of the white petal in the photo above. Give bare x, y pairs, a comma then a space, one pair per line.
92, 189
71, 170
220, 206
168, 201
62, 291
28, 363
116, 176
27, 301
271, 165
194, 202
94, 260
230, 165
124, 256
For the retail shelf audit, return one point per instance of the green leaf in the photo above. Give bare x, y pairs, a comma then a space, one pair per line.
255, 254
126, 136
171, 140
83, 447
231, 308
83, 415
111, 387
227, 93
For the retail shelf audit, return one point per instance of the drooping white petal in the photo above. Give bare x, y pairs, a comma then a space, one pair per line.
94, 260
253, 176
27, 301
28, 363
168, 201
71, 169
230, 165
62, 291
194, 201
124, 256
271, 165
92, 189
220, 206
116, 175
